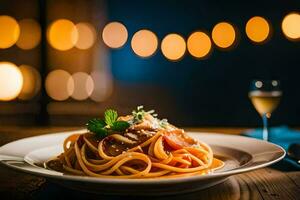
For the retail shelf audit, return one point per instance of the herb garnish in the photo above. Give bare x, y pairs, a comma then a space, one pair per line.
110, 123
104, 127
139, 113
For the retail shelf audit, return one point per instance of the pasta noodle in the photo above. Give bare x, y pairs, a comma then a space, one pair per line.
147, 152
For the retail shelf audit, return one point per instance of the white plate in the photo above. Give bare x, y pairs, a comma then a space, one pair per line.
241, 154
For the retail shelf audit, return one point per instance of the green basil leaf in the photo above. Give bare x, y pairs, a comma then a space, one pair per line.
110, 116
120, 126
97, 126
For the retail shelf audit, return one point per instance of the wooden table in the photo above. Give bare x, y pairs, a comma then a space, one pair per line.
267, 183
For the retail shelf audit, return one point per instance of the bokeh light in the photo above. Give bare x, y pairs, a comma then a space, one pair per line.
223, 35
30, 35
103, 86
83, 86
86, 35
59, 85
173, 46
199, 44
291, 26
9, 31
62, 34
144, 43
31, 82
11, 81
115, 35
258, 29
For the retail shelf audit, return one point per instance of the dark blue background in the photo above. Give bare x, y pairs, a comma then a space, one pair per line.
211, 91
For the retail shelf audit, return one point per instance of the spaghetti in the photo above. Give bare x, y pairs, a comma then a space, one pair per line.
146, 149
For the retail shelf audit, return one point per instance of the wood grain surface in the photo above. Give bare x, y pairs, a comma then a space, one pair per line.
266, 183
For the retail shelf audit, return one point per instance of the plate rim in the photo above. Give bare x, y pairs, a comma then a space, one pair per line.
152, 181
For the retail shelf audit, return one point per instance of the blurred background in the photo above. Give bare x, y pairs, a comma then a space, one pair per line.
65, 61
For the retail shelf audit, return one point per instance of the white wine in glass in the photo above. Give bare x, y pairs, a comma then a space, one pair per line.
265, 97
265, 102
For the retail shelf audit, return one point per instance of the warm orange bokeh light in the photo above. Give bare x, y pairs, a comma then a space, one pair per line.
86, 35
11, 81
59, 85
223, 35
62, 34
291, 26
144, 43
30, 35
103, 86
173, 46
31, 82
114, 35
9, 31
199, 44
257, 29
83, 86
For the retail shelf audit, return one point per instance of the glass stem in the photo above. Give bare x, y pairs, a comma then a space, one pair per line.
265, 127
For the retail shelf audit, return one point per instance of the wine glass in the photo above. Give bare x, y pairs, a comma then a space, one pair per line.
265, 96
